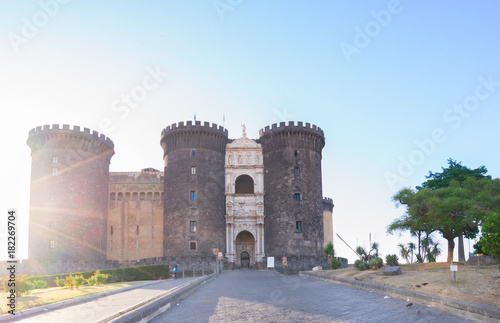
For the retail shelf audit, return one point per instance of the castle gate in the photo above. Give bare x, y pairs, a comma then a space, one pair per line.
245, 247
244, 202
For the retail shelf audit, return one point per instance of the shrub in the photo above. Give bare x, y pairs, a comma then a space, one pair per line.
39, 284
391, 260
74, 281
361, 265
376, 263
23, 285
335, 263
59, 281
97, 279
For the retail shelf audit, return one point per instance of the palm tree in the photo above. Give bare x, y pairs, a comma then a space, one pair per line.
411, 249
403, 252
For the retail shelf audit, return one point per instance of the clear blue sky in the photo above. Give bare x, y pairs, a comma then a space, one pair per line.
398, 87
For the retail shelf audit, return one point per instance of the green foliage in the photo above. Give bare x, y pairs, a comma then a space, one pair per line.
328, 250
97, 279
478, 248
39, 284
151, 272
59, 281
391, 260
490, 240
376, 263
74, 281
361, 265
452, 210
335, 263
24, 285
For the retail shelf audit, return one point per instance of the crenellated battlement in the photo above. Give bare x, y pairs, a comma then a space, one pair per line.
292, 136
299, 126
191, 135
327, 200
56, 129
188, 125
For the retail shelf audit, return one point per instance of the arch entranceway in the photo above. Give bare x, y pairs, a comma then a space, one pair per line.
245, 260
245, 247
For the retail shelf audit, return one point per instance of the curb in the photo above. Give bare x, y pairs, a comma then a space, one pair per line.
151, 308
464, 309
39, 309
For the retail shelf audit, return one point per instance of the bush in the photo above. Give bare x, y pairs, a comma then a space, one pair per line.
97, 279
391, 260
335, 263
59, 281
39, 284
361, 265
74, 281
150, 272
376, 263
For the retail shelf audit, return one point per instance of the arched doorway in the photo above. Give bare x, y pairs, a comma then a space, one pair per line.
245, 248
245, 260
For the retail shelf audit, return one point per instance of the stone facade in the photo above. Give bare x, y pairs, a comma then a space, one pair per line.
69, 195
249, 198
135, 215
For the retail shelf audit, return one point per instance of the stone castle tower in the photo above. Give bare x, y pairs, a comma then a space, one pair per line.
292, 181
194, 189
69, 195
249, 198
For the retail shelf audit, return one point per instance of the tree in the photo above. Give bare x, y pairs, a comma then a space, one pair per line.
450, 210
455, 172
404, 252
490, 240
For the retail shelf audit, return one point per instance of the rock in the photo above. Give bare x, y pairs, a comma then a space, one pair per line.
393, 271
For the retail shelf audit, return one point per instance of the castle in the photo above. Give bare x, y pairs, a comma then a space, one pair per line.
248, 198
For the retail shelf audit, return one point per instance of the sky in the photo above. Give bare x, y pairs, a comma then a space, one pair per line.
398, 87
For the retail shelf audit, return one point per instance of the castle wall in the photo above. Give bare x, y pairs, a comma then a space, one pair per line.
69, 194
292, 179
328, 219
135, 216
193, 196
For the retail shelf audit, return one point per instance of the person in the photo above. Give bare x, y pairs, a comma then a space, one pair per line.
175, 271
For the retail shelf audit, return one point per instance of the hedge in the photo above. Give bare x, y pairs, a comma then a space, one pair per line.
125, 274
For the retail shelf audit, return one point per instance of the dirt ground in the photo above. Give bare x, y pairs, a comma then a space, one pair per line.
474, 284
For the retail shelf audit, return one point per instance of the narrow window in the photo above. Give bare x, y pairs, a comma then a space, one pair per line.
192, 246
298, 226
193, 195
296, 196
111, 231
136, 244
192, 226
192, 153
137, 230
296, 172
55, 160
52, 244
54, 171
111, 245
193, 170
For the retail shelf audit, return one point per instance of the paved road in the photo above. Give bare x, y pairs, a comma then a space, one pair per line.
266, 296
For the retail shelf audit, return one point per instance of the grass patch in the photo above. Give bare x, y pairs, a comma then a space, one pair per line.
40, 297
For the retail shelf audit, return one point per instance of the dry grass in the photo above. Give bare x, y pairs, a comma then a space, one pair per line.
39, 297
473, 284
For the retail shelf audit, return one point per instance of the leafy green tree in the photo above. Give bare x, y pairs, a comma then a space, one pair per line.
455, 172
450, 210
490, 240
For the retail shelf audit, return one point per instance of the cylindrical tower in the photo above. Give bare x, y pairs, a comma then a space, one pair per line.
69, 195
194, 222
293, 191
